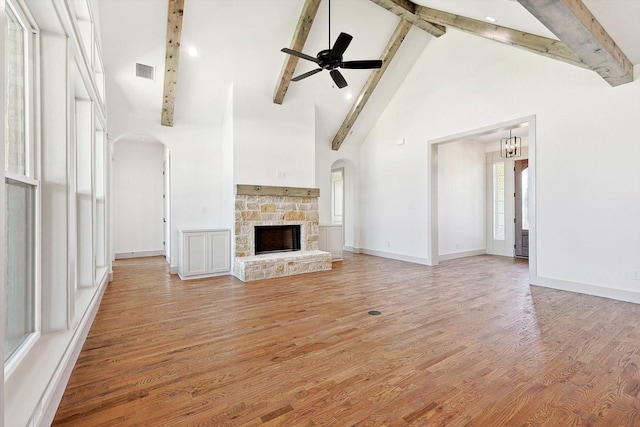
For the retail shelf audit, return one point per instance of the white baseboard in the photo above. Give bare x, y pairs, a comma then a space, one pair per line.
456, 255
582, 288
398, 257
174, 269
140, 254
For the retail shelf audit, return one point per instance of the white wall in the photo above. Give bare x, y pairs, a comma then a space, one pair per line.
273, 144
461, 197
393, 191
138, 201
327, 159
587, 157
228, 203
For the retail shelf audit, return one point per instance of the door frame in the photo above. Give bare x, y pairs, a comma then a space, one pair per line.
517, 178
432, 208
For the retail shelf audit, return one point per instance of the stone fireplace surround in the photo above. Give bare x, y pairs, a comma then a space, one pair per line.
257, 205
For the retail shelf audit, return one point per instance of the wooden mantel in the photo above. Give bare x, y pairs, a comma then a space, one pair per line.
263, 190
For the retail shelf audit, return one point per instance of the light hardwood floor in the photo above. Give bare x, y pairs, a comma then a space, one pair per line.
466, 343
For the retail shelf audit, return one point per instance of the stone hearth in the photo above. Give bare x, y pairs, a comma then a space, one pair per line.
260, 205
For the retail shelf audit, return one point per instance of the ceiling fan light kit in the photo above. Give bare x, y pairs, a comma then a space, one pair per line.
331, 59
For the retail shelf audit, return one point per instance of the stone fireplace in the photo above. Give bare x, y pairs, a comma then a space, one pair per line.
278, 209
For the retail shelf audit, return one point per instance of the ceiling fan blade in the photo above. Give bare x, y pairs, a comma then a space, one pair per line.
341, 44
299, 54
362, 65
338, 78
305, 75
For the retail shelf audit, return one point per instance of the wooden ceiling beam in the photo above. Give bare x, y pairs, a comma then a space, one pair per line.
533, 43
308, 14
172, 60
389, 52
407, 11
575, 25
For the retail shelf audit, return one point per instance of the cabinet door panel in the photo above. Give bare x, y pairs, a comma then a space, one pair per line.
336, 242
196, 253
219, 254
219, 258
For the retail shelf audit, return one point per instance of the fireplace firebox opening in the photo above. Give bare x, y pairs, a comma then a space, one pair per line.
277, 238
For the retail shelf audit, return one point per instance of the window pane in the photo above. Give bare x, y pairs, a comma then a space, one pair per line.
498, 201
14, 131
19, 274
525, 199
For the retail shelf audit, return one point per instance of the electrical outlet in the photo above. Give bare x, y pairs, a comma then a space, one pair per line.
635, 275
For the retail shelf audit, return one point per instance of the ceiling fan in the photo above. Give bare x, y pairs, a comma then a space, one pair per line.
331, 59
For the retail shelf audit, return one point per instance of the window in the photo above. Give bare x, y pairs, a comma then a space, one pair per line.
15, 129
337, 196
19, 274
20, 185
498, 201
525, 198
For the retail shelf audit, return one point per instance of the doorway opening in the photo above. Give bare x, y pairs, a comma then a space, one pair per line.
343, 193
527, 237
337, 196
141, 197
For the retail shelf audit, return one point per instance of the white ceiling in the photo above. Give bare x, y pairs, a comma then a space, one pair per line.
239, 43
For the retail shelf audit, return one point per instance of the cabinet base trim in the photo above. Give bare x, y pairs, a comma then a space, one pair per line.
201, 276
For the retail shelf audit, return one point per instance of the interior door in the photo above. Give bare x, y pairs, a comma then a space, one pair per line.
522, 208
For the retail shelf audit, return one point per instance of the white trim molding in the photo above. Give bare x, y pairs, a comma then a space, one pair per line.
123, 255
398, 257
463, 254
591, 290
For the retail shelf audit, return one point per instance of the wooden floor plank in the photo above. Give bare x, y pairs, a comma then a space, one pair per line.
466, 343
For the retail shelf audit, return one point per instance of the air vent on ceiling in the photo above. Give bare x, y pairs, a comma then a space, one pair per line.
145, 71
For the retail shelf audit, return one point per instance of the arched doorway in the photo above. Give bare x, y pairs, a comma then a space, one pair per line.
344, 201
141, 197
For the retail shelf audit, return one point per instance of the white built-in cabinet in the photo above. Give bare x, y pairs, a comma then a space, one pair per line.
330, 240
204, 252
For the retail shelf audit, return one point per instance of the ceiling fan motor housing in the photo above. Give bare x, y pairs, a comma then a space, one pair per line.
328, 61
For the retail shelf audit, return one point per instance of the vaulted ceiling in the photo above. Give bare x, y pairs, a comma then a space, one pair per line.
239, 42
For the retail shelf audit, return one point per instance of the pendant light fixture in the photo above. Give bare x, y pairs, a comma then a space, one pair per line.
510, 147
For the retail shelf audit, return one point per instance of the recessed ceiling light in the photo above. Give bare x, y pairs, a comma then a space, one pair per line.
490, 19
193, 51
348, 95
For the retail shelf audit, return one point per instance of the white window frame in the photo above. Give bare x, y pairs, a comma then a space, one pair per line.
32, 168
